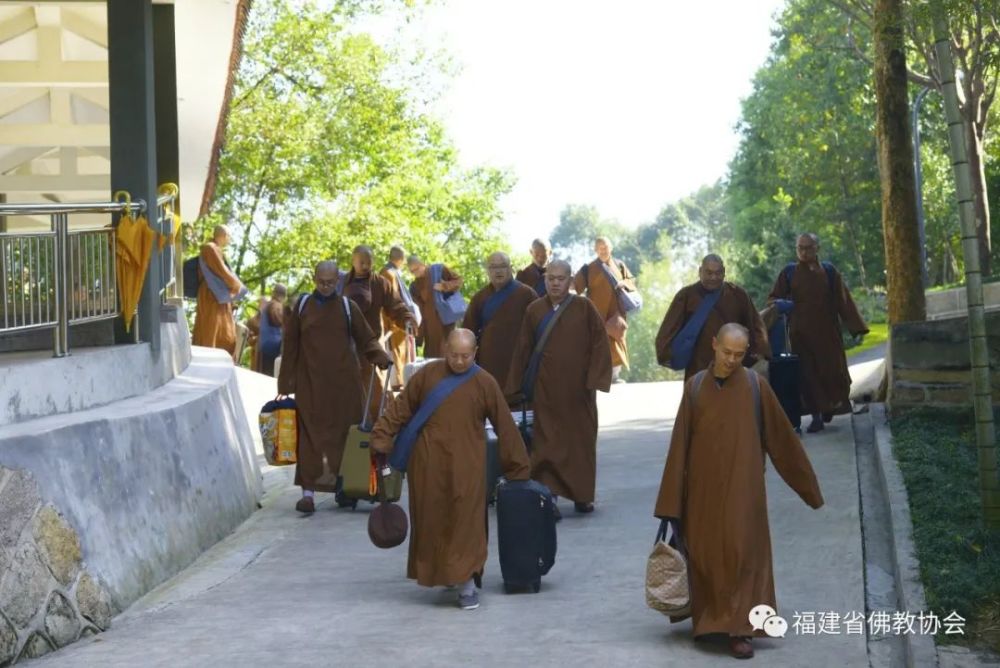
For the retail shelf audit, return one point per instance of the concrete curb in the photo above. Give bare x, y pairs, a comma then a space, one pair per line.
920, 649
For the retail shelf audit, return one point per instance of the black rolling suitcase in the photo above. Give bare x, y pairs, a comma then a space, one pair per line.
526, 534
524, 419
783, 375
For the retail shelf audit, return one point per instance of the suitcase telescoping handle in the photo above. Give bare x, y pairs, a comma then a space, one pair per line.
365, 425
385, 391
788, 338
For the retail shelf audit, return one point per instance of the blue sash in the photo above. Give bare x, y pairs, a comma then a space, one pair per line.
218, 287
494, 303
683, 345
450, 305
542, 331
407, 436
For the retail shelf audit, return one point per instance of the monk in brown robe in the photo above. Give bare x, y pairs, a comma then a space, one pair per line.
399, 342
534, 274
445, 469
820, 305
378, 302
593, 280
718, 443
733, 305
214, 326
495, 314
319, 365
574, 363
433, 331
265, 341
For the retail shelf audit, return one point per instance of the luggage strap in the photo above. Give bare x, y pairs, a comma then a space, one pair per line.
542, 333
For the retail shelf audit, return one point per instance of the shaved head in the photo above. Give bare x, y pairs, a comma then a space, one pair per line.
460, 350
557, 280
499, 258
326, 277
327, 266
362, 259
220, 235
730, 346
733, 329
364, 250
561, 264
542, 244
397, 254
712, 272
807, 247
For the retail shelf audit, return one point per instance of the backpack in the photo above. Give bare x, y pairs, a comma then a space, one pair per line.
190, 274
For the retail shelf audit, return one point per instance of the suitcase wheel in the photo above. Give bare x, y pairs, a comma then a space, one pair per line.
344, 501
536, 586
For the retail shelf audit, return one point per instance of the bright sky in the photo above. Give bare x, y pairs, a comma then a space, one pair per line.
625, 105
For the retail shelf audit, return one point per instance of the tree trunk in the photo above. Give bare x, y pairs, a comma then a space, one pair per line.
974, 140
895, 153
986, 454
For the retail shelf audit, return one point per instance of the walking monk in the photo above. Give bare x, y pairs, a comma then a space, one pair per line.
495, 315
324, 336
534, 274
218, 288
684, 341
378, 302
433, 329
820, 304
593, 279
560, 361
712, 491
446, 464
398, 344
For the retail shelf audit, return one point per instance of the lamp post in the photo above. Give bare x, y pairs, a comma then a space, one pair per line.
918, 177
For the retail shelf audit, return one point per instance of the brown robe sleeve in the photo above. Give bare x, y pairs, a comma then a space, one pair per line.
471, 319
580, 280
846, 307
365, 339
397, 413
670, 499
289, 351
628, 280
393, 306
760, 347
212, 256
672, 323
519, 361
511, 450
599, 370
781, 290
785, 449
450, 280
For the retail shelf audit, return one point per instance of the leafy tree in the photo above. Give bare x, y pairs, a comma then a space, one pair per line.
327, 148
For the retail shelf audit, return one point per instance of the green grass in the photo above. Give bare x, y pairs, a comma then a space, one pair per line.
878, 335
959, 558
952, 286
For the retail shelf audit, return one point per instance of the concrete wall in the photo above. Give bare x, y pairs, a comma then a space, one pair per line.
930, 362
143, 484
954, 303
36, 384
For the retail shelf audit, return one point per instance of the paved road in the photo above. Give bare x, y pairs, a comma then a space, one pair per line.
288, 591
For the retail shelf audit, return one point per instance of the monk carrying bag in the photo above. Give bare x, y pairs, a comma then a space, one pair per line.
450, 305
357, 469
542, 332
683, 344
190, 274
407, 437
492, 305
628, 300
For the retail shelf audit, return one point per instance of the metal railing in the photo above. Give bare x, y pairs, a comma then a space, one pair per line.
58, 277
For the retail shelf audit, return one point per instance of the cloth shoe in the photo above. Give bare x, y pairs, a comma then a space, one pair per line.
306, 505
816, 425
741, 647
470, 601
587, 507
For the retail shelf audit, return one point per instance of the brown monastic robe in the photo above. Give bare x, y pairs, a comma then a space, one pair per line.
213, 322
534, 277
447, 487
375, 297
432, 329
321, 369
734, 305
592, 280
814, 329
397, 334
497, 339
716, 445
575, 363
